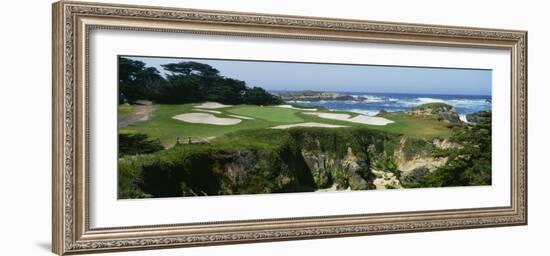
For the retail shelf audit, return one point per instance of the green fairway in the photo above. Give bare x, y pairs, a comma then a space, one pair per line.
163, 126
275, 115
124, 110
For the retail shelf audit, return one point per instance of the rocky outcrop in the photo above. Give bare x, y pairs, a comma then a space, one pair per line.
321, 167
386, 180
347, 172
440, 111
443, 143
313, 96
238, 168
357, 171
311, 160
329, 172
416, 162
422, 158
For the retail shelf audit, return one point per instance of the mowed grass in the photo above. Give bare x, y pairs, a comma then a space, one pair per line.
124, 110
161, 125
274, 115
414, 126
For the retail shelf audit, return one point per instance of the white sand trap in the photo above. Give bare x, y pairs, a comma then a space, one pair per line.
207, 111
372, 120
361, 119
292, 107
335, 116
212, 105
242, 117
308, 124
206, 118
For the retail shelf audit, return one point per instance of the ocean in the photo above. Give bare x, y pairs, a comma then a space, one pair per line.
394, 102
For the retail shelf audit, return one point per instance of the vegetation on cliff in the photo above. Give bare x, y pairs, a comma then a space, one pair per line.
261, 160
468, 163
256, 161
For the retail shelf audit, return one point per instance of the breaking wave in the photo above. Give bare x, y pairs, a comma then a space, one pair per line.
372, 104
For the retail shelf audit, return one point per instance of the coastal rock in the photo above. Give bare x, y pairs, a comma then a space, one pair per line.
313, 96
239, 167
350, 171
416, 162
356, 170
386, 180
443, 143
243, 167
421, 158
320, 165
440, 111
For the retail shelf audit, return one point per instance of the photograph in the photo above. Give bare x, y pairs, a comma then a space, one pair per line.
176, 126
217, 127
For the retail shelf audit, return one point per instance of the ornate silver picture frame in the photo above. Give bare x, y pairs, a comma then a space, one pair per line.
74, 21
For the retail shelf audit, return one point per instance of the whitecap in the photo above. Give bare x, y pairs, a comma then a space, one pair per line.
430, 100
372, 99
463, 118
365, 112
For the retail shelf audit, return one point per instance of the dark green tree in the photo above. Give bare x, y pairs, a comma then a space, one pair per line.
225, 90
138, 143
258, 96
180, 89
470, 162
187, 82
190, 68
136, 81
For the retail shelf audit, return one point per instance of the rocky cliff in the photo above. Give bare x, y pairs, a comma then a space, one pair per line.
341, 173
306, 160
440, 111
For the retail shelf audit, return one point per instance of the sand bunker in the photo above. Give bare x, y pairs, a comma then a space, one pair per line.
372, 120
308, 124
208, 111
242, 117
361, 119
212, 105
292, 107
206, 118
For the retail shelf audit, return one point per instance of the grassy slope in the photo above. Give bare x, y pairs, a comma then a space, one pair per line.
124, 110
414, 126
161, 125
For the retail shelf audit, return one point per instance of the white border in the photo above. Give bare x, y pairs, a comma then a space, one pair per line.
107, 211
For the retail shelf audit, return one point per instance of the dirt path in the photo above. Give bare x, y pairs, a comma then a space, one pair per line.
140, 113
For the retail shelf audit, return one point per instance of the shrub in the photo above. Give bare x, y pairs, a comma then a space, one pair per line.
137, 143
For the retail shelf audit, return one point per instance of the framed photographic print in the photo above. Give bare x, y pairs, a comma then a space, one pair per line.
179, 127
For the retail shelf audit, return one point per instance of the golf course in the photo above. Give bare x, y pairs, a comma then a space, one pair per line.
163, 125
193, 131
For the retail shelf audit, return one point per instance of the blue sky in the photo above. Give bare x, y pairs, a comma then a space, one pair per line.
345, 78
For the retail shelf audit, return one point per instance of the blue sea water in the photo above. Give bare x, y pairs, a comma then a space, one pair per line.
394, 102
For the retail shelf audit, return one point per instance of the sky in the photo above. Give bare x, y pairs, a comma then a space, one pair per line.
293, 76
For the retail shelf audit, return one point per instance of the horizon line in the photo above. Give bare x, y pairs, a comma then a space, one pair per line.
285, 90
